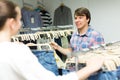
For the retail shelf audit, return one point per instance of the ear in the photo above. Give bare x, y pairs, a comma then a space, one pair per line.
12, 23
88, 20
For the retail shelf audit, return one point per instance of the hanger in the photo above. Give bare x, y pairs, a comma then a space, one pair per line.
62, 4
42, 46
40, 6
28, 6
15, 39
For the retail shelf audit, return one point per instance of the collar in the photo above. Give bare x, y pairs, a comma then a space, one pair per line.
86, 34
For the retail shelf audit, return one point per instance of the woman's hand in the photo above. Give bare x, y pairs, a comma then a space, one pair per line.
95, 63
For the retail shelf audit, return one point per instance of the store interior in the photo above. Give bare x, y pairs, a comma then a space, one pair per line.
104, 19
105, 13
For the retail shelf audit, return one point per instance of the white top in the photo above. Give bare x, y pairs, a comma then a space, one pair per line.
18, 63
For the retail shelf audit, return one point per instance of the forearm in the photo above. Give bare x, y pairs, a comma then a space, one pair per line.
92, 66
85, 73
64, 51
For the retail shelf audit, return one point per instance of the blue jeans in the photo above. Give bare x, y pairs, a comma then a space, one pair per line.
101, 75
46, 58
107, 75
58, 41
118, 72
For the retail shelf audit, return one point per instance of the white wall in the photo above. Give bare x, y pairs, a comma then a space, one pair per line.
106, 18
19, 2
104, 13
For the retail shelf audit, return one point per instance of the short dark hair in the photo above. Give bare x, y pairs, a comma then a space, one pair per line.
83, 11
7, 10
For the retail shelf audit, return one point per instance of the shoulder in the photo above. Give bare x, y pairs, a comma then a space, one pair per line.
14, 49
94, 32
16, 46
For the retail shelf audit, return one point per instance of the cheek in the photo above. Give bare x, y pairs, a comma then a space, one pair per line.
19, 24
77, 21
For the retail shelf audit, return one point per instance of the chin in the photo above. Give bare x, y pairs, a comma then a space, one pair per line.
79, 27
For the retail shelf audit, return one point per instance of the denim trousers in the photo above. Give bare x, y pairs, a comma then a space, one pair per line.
100, 75
104, 75
47, 59
58, 41
118, 72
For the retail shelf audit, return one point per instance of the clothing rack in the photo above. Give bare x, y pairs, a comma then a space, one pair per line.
110, 51
49, 34
46, 45
50, 28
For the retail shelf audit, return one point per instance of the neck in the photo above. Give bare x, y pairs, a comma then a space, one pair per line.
4, 37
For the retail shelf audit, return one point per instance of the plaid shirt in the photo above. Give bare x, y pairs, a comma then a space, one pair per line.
91, 38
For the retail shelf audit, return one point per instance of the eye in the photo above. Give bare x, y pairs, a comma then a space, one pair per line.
80, 17
75, 18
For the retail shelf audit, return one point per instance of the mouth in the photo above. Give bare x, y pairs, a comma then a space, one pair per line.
78, 24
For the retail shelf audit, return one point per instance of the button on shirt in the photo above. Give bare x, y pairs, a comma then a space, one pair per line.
89, 39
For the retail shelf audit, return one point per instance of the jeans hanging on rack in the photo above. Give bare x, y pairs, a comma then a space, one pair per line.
69, 37
118, 73
58, 41
46, 58
104, 75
